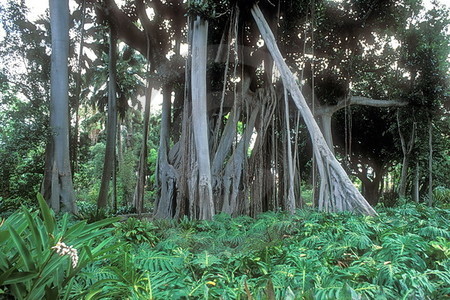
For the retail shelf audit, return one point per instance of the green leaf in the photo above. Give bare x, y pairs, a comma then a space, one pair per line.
19, 277
96, 288
64, 222
49, 269
4, 261
35, 235
75, 230
68, 289
4, 235
24, 252
347, 293
103, 223
6, 275
48, 217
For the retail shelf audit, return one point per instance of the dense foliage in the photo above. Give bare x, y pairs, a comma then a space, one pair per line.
404, 253
40, 257
393, 50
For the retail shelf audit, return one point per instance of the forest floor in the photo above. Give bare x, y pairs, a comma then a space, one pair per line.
402, 253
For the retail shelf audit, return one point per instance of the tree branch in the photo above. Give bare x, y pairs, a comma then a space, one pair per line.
358, 100
127, 31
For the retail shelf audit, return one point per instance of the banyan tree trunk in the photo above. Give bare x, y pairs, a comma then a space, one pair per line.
337, 192
199, 117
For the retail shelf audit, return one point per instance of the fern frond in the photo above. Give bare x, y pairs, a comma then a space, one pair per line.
434, 232
357, 240
157, 261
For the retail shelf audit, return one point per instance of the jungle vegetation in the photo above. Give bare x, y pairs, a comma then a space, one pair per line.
288, 149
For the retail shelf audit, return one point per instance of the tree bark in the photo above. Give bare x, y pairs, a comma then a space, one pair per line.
326, 129
416, 195
290, 199
62, 194
138, 198
337, 193
406, 150
111, 128
199, 117
78, 83
165, 206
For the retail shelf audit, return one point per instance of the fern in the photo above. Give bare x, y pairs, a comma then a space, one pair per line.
307, 255
157, 261
205, 260
403, 248
434, 232
357, 240
442, 282
387, 274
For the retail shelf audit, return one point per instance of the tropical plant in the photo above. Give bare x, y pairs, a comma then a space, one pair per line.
137, 231
307, 255
40, 257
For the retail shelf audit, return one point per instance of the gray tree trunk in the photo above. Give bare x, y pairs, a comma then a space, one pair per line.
165, 206
406, 150
199, 117
290, 199
78, 83
416, 194
138, 198
111, 127
62, 194
337, 192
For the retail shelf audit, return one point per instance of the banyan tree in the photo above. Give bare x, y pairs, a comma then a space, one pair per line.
237, 92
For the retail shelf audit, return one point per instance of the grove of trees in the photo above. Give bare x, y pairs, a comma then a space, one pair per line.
194, 108
227, 149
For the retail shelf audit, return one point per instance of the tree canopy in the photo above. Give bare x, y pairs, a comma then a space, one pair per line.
232, 134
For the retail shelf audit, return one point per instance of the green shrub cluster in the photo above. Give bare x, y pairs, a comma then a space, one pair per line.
401, 254
42, 257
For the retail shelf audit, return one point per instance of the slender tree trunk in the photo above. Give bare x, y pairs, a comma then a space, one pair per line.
416, 196
120, 164
138, 198
326, 129
406, 149
62, 194
199, 117
78, 82
114, 189
111, 128
403, 177
290, 199
119, 145
337, 192
430, 163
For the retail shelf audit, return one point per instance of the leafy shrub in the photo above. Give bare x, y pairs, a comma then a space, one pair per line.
442, 195
403, 253
88, 211
30, 242
136, 231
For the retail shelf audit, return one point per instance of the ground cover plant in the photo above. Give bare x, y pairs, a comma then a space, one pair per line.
403, 253
41, 256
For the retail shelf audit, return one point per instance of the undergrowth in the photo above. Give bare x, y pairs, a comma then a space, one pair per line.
403, 253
